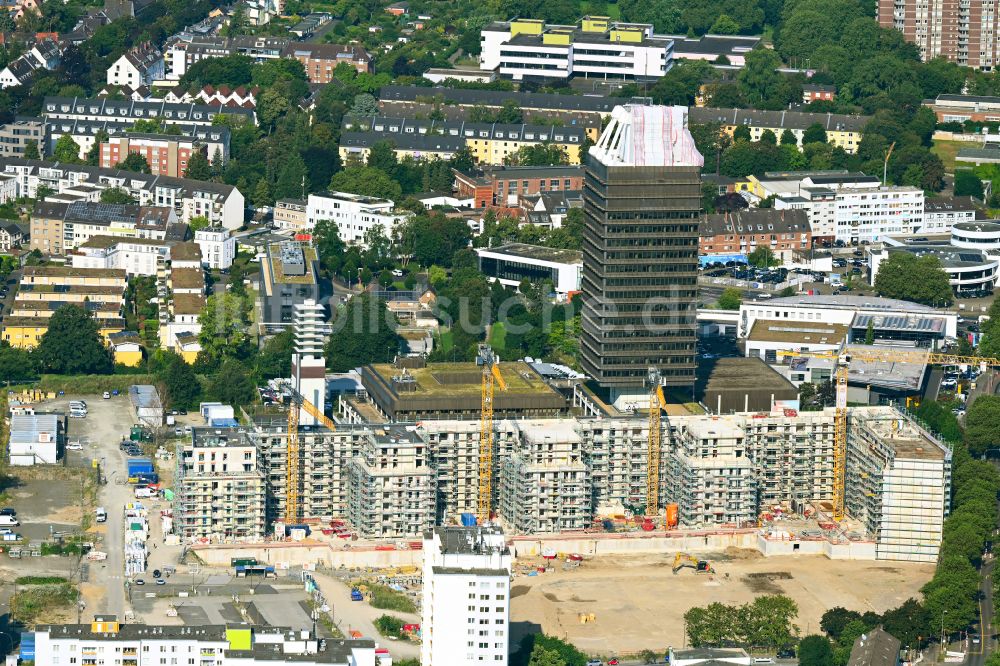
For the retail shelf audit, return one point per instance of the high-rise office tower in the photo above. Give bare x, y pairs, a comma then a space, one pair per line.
642, 201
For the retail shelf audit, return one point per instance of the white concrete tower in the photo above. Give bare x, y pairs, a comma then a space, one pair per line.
466, 605
308, 362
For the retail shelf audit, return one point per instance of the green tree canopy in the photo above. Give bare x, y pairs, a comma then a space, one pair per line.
982, 424
815, 650
968, 184
364, 331
198, 167
730, 299
73, 345
905, 276
134, 162
116, 195
180, 385
232, 384
66, 149
367, 181
16, 364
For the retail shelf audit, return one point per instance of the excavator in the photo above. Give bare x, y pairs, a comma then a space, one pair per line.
682, 560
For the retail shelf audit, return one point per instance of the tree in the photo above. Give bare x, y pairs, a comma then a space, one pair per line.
538, 154
814, 134
116, 195
224, 330
435, 238
767, 136
870, 333
762, 257
541, 656
982, 424
275, 358
31, 150
788, 138
364, 105
363, 332
836, 619
725, 26
271, 105
760, 77
198, 167
66, 150
232, 384
94, 154
968, 184
16, 364
181, 387
730, 299
905, 276
366, 181
815, 650
510, 113
742, 133
73, 345
198, 222
134, 162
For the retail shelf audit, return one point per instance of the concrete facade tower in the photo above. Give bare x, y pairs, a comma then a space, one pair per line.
308, 361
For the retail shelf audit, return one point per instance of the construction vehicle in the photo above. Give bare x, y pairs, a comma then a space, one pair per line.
682, 560
657, 403
491, 379
871, 355
293, 476
356, 594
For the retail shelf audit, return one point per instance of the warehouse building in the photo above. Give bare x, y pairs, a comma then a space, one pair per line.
35, 439
146, 405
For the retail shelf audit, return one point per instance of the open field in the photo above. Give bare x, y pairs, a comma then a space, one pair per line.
948, 150
640, 604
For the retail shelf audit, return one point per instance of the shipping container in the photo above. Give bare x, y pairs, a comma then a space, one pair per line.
138, 466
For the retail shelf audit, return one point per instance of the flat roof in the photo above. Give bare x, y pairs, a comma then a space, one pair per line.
105, 242
949, 255
804, 332
70, 271
886, 374
849, 302
751, 374
444, 379
189, 251
187, 278
537, 252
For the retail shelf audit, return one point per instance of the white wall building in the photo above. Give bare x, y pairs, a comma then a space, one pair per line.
512, 263
34, 439
871, 214
894, 319
527, 48
136, 256
466, 605
354, 214
218, 247
139, 66
983, 236
106, 642
968, 270
222, 204
910, 474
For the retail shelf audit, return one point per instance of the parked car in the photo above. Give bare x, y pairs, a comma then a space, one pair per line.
107, 395
74, 446
8, 512
139, 581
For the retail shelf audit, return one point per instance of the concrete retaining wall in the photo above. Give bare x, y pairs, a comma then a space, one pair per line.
299, 554
852, 550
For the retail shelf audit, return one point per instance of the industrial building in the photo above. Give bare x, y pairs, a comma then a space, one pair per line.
466, 602
641, 201
35, 439
147, 408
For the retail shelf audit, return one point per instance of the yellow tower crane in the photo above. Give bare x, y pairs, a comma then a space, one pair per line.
871, 355
656, 405
491, 379
293, 474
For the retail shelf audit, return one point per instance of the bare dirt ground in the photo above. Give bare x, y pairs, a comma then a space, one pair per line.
639, 604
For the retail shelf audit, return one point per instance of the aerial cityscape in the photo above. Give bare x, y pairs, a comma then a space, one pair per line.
571, 333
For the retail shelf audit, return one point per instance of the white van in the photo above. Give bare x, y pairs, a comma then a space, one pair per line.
80, 404
143, 491
78, 413
101, 514
9, 521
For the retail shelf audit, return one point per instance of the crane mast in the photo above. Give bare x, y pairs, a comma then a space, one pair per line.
491, 379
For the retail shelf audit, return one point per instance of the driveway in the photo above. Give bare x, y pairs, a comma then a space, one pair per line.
359, 616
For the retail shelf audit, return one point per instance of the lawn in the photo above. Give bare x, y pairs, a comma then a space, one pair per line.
446, 341
948, 150
611, 11
498, 336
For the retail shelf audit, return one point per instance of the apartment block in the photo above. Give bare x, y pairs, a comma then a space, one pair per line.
961, 32
504, 186
595, 48
214, 138
220, 487
185, 49
221, 204
136, 256
321, 60
392, 491
44, 289
218, 247
545, 483
783, 232
288, 278
167, 155
15, 136
60, 228
99, 109
291, 214
466, 603
489, 143
108, 642
355, 215
898, 484
141, 65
